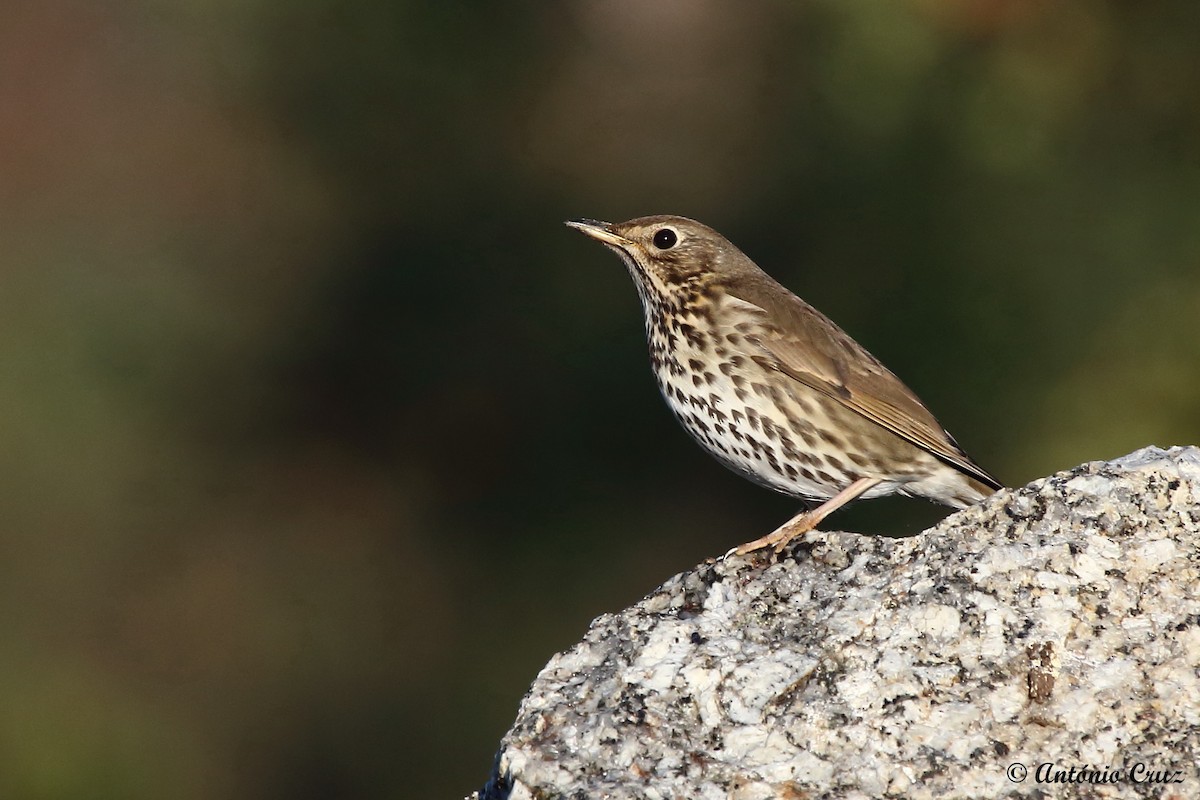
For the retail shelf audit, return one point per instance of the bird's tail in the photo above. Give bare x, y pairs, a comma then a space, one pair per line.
974, 490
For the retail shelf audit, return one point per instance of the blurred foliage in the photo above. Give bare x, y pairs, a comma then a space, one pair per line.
321, 434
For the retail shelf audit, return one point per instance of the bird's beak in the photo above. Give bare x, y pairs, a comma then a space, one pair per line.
600, 231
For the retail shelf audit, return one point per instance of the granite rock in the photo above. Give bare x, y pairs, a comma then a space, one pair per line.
1050, 634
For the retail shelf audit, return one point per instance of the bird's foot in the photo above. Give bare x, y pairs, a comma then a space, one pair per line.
779, 538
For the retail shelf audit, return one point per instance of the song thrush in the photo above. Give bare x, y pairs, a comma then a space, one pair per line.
772, 388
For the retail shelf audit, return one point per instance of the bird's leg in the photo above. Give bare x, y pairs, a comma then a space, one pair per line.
805, 521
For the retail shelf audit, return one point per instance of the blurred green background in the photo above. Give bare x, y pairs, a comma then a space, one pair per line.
321, 434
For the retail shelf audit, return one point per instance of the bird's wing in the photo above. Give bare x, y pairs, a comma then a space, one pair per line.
808, 347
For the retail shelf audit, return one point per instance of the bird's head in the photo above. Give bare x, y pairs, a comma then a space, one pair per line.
667, 255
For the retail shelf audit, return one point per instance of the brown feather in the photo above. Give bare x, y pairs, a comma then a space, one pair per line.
810, 348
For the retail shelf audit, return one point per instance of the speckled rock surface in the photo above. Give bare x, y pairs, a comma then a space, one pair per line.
1058, 624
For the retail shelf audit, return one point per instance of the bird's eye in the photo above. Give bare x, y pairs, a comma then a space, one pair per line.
665, 238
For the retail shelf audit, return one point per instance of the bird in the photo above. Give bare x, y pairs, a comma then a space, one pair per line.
775, 390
